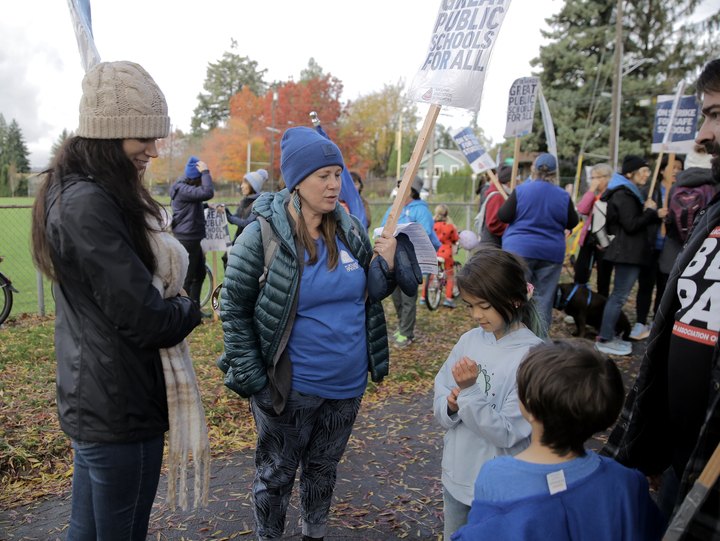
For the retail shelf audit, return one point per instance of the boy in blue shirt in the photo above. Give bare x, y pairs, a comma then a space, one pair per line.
556, 488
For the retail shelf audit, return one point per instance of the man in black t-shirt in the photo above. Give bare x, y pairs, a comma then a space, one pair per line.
670, 425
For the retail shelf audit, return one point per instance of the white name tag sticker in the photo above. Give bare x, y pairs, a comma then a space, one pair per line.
556, 482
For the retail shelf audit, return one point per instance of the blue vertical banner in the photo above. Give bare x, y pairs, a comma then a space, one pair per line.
82, 23
548, 124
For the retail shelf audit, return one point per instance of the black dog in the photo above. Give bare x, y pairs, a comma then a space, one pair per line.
573, 300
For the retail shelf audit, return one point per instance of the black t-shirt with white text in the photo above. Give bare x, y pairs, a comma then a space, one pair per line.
694, 336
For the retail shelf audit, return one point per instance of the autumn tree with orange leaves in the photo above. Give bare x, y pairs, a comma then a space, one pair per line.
295, 102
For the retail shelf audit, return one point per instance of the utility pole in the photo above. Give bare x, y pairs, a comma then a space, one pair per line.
616, 90
272, 140
431, 161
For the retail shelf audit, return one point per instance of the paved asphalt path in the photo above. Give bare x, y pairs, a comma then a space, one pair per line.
388, 485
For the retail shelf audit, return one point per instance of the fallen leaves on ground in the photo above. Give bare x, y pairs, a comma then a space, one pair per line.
36, 456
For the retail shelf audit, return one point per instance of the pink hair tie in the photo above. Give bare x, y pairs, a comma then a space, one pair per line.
530, 289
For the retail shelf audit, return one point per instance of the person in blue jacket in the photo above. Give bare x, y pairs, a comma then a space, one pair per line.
416, 210
187, 195
538, 213
556, 488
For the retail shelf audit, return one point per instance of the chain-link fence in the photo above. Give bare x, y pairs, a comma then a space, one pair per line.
35, 294
15, 246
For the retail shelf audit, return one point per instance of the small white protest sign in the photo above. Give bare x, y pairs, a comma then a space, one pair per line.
424, 250
217, 234
453, 71
468, 143
521, 106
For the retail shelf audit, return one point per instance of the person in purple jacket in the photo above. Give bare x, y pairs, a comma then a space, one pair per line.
188, 194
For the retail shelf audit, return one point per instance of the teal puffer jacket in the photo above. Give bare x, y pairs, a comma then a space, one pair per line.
257, 323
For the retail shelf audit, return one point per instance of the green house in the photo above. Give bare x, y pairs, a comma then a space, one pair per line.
445, 161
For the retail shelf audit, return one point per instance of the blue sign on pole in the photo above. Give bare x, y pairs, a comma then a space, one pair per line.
684, 125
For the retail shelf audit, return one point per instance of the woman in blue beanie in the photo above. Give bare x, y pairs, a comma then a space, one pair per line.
302, 330
188, 194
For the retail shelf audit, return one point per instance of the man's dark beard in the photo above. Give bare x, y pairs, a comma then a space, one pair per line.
713, 148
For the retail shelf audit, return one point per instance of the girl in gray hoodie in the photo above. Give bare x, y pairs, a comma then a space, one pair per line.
476, 391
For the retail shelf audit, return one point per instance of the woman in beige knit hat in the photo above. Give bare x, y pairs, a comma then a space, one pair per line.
96, 235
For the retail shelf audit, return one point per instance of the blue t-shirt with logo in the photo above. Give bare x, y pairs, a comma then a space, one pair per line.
328, 343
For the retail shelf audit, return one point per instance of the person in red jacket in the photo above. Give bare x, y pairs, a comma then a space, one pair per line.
448, 236
492, 228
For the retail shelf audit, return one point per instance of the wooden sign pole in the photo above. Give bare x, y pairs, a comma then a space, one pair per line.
655, 175
513, 180
412, 169
667, 183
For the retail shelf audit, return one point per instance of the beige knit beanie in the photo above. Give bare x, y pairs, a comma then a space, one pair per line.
121, 101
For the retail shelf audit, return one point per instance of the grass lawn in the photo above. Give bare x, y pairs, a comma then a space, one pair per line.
15, 224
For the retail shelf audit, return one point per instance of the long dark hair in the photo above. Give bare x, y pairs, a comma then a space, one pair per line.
104, 162
327, 232
498, 277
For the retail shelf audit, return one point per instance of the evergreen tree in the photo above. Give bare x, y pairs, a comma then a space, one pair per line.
312, 71
59, 143
223, 80
579, 64
14, 149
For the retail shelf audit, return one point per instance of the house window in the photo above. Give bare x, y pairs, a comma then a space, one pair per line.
439, 170
454, 169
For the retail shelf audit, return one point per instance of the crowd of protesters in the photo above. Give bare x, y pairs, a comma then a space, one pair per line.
303, 273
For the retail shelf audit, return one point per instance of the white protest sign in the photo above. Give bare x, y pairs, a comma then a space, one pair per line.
424, 250
453, 72
478, 158
521, 106
217, 234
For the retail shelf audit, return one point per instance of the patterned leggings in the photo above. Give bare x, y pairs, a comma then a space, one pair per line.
311, 432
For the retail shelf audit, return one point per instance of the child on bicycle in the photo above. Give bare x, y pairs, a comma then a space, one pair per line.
448, 236
476, 397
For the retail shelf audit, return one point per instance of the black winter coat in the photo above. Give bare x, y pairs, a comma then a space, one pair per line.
110, 321
629, 223
641, 438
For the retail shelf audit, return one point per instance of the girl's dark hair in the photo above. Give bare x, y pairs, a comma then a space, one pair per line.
103, 162
573, 390
327, 232
498, 277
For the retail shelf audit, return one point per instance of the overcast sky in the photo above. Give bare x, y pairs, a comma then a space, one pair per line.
365, 44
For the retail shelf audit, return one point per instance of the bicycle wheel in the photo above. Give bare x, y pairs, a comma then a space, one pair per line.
433, 291
6, 298
207, 291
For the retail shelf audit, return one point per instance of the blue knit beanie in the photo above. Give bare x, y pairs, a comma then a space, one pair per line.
191, 168
304, 151
256, 179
